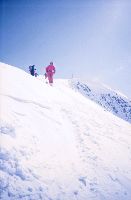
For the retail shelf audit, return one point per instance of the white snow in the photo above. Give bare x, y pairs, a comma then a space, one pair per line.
111, 100
57, 144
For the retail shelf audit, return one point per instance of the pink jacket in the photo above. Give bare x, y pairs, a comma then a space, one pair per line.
50, 69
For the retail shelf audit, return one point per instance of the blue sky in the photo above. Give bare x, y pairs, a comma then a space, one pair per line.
87, 38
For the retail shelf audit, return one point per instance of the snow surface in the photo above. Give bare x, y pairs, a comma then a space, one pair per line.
111, 100
56, 144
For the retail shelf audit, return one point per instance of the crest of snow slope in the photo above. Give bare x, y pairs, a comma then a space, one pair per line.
57, 144
111, 100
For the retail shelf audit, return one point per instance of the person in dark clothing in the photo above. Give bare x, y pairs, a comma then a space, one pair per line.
32, 70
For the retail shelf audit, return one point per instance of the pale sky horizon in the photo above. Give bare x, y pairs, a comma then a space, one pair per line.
88, 38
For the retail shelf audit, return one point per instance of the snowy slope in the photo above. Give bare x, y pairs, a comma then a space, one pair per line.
111, 100
57, 144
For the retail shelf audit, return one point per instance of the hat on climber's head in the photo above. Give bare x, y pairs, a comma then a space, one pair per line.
51, 63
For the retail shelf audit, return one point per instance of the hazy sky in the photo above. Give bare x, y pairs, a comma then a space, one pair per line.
87, 38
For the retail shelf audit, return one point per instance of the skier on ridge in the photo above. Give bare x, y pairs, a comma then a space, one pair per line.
50, 71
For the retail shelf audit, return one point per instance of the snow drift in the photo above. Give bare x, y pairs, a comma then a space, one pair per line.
56, 144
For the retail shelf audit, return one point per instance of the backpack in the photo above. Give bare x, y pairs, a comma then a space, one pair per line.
30, 68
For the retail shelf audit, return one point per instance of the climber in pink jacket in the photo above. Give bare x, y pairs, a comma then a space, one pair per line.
50, 71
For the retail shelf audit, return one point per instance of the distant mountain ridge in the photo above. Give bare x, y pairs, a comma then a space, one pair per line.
109, 99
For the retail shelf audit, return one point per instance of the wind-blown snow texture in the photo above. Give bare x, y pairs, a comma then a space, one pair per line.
56, 144
111, 100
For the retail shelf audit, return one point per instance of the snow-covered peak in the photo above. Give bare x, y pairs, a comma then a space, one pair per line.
58, 144
111, 100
